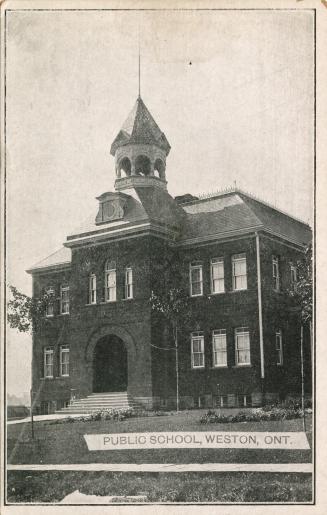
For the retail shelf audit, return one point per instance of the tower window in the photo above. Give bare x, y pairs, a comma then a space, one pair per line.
128, 283
159, 167
64, 299
110, 281
239, 272
92, 289
217, 275
197, 350
125, 166
142, 165
196, 281
242, 346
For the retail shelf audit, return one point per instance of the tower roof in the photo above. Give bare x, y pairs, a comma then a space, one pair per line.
140, 128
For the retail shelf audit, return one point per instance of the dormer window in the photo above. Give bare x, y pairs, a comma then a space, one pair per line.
110, 281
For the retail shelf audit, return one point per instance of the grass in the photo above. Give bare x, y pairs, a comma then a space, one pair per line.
64, 443
190, 487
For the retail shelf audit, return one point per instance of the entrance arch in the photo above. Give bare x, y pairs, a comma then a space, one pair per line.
110, 368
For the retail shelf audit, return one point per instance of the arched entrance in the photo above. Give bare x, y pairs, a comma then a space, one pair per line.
110, 365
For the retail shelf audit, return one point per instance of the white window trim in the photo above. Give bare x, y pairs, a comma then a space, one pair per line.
235, 259
48, 351
294, 269
48, 292
212, 263
194, 267
131, 284
275, 266
240, 331
197, 336
92, 290
280, 355
64, 349
107, 288
219, 332
63, 289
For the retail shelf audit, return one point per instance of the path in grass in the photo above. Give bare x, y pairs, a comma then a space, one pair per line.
64, 442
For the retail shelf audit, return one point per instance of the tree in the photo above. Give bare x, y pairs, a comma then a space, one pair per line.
173, 305
302, 294
24, 313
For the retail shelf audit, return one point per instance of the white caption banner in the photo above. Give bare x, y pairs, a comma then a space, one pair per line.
196, 440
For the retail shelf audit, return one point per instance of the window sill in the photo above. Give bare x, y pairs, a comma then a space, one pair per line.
216, 293
198, 368
237, 291
47, 378
126, 300
194, 296
91, 304
63, 314
107, 302
218, 366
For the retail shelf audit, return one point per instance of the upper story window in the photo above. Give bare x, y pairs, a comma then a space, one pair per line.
239, 272
64, 360
128, 283
92, 289
242, 346
275, 273
49, 306
293, 276
279, 348
110, 281
196, 280
219, 348
48, 362
197, 350
217, 275
64, 299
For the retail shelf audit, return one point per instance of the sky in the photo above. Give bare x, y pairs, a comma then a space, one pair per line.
233, 91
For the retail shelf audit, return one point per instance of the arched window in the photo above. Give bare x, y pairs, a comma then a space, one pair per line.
110, 281
142, 165
64, 299
159, 168
92, 289
125, 166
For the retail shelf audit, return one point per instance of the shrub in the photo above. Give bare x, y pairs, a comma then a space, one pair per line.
254, 415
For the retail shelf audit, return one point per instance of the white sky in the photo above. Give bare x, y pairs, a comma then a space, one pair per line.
243, 110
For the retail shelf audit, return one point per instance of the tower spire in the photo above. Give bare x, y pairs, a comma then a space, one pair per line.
139, 64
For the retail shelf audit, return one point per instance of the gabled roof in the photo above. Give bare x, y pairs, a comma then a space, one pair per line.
140, 128
61, 257
237, 212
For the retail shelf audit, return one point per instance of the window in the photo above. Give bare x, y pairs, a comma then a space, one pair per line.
275, 271
219, 348
128, 283
92, 289
217, 275
244, 401
64, 299
48, 362
197, 350
293, 276
49, 307
239, 272
64, 360
279, 348
110, 281
221, 401
242, 346
196, 283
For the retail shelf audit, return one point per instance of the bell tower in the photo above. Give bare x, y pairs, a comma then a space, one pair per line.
140, 150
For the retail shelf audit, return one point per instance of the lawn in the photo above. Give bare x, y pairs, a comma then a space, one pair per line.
64, 442
189, 487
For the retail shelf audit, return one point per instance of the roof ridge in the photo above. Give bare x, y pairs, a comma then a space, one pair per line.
237, 190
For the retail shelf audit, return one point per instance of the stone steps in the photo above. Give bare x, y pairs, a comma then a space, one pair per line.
98, 401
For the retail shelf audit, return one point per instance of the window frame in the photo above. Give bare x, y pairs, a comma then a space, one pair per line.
196, 266
242, 331
219, 333
64, 349
129, 285
279, 351
110, 270
198, 335
92, 289
276, 277
213, 262
236, 258
48, 291
64, 288
48, 351
293, 269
